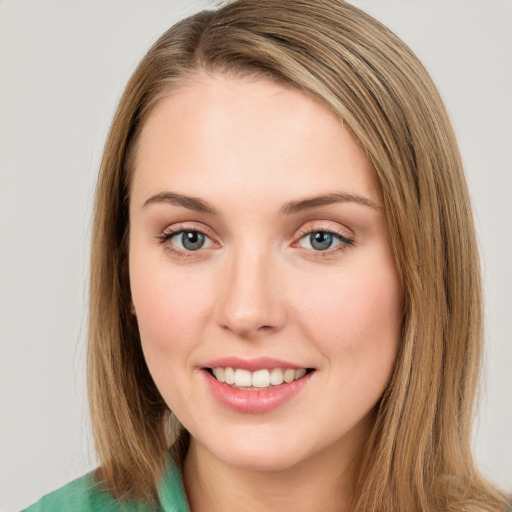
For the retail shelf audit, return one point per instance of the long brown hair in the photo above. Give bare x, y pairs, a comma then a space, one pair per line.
418, 456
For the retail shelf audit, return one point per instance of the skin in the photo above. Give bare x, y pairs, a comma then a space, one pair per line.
248, 147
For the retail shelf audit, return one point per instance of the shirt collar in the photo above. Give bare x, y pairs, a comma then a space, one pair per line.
171, 491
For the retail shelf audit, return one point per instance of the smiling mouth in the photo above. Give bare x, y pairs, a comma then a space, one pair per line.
260, 379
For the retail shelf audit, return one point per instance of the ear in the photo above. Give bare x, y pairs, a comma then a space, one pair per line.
132, 308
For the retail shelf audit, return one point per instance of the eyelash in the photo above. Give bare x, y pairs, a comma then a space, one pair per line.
344, 240
164, 238
172, 232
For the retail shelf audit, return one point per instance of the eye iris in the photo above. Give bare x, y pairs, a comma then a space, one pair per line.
192, 240
321, 240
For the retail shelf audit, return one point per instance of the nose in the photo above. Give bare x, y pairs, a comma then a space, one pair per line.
251, 300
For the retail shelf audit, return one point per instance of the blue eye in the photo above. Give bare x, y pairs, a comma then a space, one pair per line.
323, 240
189, 240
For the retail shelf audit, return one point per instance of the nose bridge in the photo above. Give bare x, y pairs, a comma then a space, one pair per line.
251, 302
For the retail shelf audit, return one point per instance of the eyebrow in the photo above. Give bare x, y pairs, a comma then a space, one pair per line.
199, 205
325, 200
191, 203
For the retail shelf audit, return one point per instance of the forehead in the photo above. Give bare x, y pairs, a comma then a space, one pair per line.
247, 132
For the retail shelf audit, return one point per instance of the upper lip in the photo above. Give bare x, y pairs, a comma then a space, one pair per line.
252, 365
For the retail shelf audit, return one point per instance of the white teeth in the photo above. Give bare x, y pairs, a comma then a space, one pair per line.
300, 373
258, 379
243, 378
229, 375
261, 379
289, 375
276, 376
219, 374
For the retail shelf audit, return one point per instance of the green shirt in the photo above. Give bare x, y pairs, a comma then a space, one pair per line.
84, 495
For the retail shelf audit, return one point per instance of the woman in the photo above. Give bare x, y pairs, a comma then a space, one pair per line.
284, 257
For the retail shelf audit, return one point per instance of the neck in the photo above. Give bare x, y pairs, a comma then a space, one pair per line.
322, 482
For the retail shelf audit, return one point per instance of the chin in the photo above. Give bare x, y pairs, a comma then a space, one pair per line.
265, 454
263, 461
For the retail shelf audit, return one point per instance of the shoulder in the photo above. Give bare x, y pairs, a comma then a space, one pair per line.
84, 495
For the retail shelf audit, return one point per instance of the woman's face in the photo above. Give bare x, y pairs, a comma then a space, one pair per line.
259, 256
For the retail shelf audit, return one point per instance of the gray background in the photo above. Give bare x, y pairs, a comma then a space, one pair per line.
63, 65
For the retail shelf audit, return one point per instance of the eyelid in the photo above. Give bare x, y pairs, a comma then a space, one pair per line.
328, 226
345, 237
175, 229
343, 234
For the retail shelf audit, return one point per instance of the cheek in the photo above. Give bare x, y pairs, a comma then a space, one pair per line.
357, 329
358, 320
170, 308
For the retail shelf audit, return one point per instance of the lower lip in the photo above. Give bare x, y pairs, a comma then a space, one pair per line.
255, 401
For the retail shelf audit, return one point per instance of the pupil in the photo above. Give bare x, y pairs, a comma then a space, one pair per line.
320, 240
192, 240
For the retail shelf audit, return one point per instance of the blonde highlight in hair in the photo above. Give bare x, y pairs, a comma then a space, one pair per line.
418, 456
